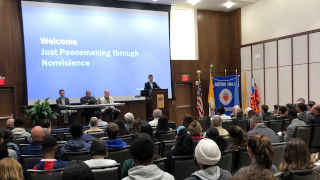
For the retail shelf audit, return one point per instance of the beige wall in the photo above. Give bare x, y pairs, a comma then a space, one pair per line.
267, 19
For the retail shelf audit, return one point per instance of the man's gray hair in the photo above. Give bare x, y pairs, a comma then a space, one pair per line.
94, 122
129, 117
256, 119
157, 113
216, 121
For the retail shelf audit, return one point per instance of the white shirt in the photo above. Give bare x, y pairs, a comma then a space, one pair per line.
154, 122
102, 123
151, 84
92, 163
225, 117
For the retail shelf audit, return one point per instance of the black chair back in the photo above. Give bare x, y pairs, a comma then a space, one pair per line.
315, 142
228, 140
29, 161
67, 136
157, 148
160, 163
242, 159
19, 141
242, 123
54, 174
119, 154
275, 125
111, 173
167, 136
285, 125
167, 145
310, 174
278, 149
304, 133
83, 156
204, 124
184, 166
127, 139
226, 161
227, 124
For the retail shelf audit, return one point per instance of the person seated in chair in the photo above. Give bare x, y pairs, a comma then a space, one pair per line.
259, 128
93, 126
99, 152
109, 110
61, 102
142, 151
19, 131
76, 144
10, 123
37, 135
157, 113
294, 123
112, 133
48, 161
221, 113
207, 155
88, 100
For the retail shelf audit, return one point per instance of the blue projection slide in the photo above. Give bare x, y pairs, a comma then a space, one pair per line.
79, 48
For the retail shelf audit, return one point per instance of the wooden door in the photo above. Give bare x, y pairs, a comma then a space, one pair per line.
184, 96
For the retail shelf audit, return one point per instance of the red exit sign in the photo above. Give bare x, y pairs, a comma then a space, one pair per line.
185, 77
2, 80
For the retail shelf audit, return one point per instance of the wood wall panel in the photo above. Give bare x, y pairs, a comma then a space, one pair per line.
219, 35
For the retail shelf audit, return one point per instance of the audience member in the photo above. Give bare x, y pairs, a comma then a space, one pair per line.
7, 138
239, 138
207, 155
187, 119
10, 123
93, 126
234, 111
309, 106
3, 150
221, 113
261, 153
77, 170
10, 169
216, 123
195, 130
48, 161
122, 128
296, 156
264, 112
213, 134
301, 109
129, 117
46, 125
142, 151
315, 111
283, 112
10, 152
255, 174
276, 110
183, 147
19, 131
112, 133
221, 142
294, 123
101, 123
260, 128
246, 111
136, 126
37, 135
98, 153
239, 113
76, 144
157, 113
162, 127
146, 128
251, 113
301, 100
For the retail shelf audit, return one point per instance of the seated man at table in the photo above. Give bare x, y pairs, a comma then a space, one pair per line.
76, 144
109, 110
48, 161
37, 135
62, 101
112, 133
88, 100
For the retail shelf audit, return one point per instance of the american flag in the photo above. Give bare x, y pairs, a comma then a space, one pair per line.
199, 101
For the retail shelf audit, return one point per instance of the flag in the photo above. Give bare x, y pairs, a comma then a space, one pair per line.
199, 101
255, 101
244, 99
211, 100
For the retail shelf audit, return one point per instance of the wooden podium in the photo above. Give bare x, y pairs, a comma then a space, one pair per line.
159, 100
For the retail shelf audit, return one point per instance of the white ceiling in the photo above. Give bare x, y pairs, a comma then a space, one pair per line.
214, 5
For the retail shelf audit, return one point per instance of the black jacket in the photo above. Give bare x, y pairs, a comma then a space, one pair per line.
59, 101
147, 86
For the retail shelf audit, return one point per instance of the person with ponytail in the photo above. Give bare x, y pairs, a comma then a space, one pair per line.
261, 153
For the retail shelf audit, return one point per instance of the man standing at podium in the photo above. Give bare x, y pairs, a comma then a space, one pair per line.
88, 100
150, 84
110, 110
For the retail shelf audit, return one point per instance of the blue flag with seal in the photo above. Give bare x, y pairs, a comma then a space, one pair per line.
226, 88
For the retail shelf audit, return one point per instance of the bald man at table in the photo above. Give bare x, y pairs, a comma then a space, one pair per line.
88, 100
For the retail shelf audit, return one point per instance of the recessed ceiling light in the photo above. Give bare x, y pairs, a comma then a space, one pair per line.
193, 2
154, 0
229, 4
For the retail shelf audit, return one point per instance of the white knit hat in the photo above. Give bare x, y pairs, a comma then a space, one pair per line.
207, 152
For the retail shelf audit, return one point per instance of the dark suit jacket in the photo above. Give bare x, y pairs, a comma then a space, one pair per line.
315, 119
59, 101
147, 86
91, 100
